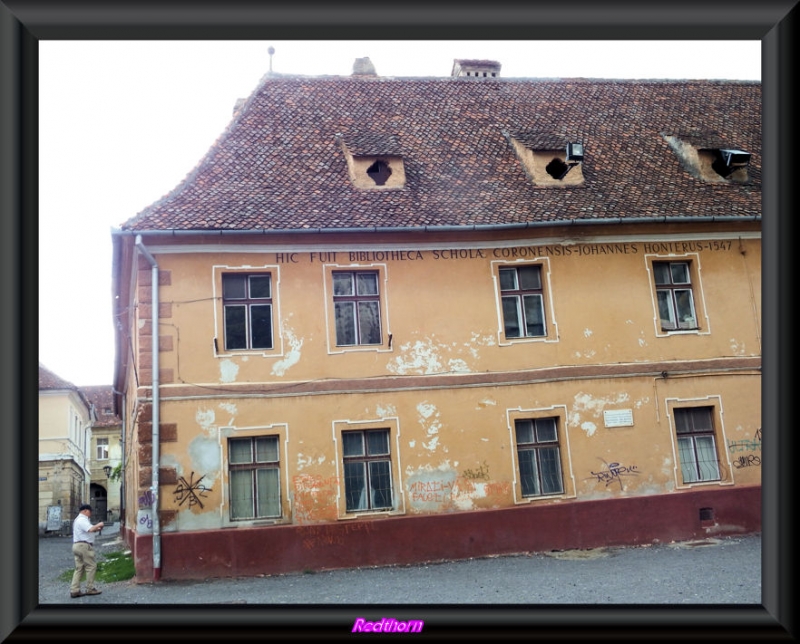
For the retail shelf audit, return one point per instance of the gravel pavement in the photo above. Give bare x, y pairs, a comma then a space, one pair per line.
706, 571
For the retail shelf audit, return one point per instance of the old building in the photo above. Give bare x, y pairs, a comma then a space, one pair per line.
105, 454
65, 433
391, 320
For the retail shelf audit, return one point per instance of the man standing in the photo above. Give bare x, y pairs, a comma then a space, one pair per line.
83, 534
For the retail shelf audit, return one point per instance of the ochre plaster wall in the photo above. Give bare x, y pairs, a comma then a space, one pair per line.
448, 384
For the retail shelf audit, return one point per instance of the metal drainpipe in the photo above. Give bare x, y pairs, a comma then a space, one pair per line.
156, 404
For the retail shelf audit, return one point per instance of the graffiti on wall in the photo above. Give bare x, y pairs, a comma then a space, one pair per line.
314, 497
614, 472
332, 535
751, 445
191, 490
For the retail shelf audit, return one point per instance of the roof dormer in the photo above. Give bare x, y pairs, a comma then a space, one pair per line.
374, 160
549, 159
707, 156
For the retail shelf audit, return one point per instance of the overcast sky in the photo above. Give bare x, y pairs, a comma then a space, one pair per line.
121, 123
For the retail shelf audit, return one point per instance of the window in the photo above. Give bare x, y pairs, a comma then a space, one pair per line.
254, 478
539, 457
674, 294
367, 470
247, 304
102, 449
523, 301
357, 307
696, 445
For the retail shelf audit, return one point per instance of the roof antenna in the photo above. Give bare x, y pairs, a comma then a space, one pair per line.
270, 51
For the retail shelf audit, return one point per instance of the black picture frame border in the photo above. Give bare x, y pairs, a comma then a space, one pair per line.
24, 22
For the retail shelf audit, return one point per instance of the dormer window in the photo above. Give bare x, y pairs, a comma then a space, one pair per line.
549, 159
706, 156
374, 160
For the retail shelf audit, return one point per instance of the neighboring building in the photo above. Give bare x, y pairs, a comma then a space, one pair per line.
391, 320
105, 454
65, 433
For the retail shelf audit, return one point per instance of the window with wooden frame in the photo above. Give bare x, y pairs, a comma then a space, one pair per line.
697, 448
367, 470
102, 449
254, 470
539, 456
522, 301
676, 310
247, 311
357, 307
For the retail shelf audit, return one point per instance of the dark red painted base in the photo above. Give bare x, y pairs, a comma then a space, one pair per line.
415, 539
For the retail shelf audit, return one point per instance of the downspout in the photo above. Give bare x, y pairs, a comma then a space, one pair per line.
156, 404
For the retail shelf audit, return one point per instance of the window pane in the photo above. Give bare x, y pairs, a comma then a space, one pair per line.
550, 464
527, 472
233, 287
665, 309
534, 315
377, 443
345, 323
688, 465
661, 273
353, 443
355, 486
530, 278
508, 279
380, 482
269, 501
685, 304
546, 430
241, 494
707, 458
260, 286
369, 323
680, 273
235, 334
240, 449
524, 431
511, 317
261, 326
267, 449
367, 283
342, 284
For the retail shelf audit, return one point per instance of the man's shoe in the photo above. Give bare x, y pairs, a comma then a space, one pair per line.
76, 595
93, 591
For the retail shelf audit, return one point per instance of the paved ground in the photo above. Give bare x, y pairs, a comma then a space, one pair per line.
709, 571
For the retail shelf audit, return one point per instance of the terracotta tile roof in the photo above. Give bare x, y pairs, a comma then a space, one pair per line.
49, 380
279, 164
102, 397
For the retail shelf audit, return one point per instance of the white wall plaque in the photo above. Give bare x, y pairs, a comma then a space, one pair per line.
618, 418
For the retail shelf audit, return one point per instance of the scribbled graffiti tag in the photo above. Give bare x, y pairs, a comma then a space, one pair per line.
613, 473
191, 490
747, 460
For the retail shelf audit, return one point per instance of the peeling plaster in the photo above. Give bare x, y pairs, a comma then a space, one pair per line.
420, 357
206, 419
737, 348
385, 412
412, 443
204, 459
292, 355
486, 403
228, 370
231, 409
587, 333
457, 365
430, 415
589, 427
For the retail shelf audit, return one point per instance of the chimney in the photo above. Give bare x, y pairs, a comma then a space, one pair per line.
475, 68
363, 67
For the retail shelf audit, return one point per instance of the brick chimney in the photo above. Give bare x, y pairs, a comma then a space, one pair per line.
476, 68
364, 67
